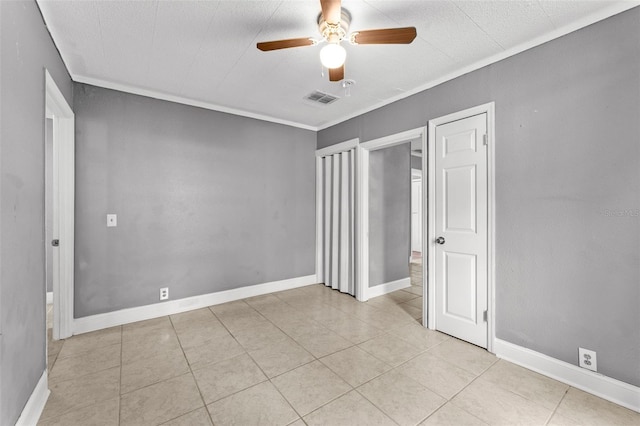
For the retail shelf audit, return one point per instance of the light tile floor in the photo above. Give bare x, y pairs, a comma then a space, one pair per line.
305, 356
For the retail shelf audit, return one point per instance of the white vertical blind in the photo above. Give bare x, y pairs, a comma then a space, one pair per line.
339, 220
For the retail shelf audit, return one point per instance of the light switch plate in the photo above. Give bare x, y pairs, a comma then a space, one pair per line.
112, 220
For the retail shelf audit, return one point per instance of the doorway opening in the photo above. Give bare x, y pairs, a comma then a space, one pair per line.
60, 186
417, 136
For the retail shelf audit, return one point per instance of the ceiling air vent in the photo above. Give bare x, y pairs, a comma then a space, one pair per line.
321, 98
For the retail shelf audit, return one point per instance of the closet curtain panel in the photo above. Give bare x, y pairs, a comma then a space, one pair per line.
338, 218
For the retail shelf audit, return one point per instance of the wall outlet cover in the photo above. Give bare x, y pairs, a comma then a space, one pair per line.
587, 359
164, 293
112, 220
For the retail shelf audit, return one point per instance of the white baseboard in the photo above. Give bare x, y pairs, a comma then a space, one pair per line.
49, 297
140, 313
389, 287
605, 387
33, 409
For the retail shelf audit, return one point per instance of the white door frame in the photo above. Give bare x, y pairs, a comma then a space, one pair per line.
362, 202
489, 109
330, 150
63, 207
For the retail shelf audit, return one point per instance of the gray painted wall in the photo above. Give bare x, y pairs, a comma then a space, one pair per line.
567, 164
26, 49
206, 201
389, 214
416, 162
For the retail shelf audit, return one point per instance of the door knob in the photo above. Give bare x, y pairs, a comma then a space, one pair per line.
440, 240
55, 242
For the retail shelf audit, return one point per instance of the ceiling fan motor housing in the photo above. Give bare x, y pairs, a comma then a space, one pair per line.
335, 32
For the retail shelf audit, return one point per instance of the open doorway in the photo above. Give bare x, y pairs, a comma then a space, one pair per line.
59, 210
417, 137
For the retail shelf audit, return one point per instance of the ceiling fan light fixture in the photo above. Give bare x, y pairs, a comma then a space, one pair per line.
333, 55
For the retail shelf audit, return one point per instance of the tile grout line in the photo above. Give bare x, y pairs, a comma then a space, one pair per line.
120, 381
553, 412
193, 377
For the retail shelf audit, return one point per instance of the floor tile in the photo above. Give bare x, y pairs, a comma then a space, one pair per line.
259, 302
260, 336
411, 310
390, 349
450, 415
436, 374
241, 321
526, 383
142, 329
68, 395
230, 307
416, 302
400, 297
401, 398
226, 377
102, 413
351, 409
353, 329
216, 350
87, 362
259, 405
587, 409
355, 366
280, 357
464, 355
199, 417
414, 289
199, 333
148, 345
160, 402
322, 342
53, 346
85, 342
494, 405
419, 336
183, 319
310, 386
162, 366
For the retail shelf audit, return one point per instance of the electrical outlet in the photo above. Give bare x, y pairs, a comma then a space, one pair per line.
112, 220
164, 293
587, 359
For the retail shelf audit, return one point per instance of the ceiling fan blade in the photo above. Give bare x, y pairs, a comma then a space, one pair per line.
331, 10
385, 36
336, 74
285, 44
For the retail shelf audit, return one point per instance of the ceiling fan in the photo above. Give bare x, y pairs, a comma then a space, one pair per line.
333, 24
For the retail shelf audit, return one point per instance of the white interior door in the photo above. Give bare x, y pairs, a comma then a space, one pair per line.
416, 215
461, 229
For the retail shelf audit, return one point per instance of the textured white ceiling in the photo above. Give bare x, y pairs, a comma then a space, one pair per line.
204, 52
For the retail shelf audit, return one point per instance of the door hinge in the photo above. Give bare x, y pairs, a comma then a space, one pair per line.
484, 316
485, 139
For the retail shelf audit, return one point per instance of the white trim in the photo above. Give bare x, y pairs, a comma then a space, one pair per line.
140, 313
605, 387
64, 207
362, 223
390, 287
49, 297
186, 101
489, 109
35, 404
337, 148
362, 204
319, 224
600, 15
416, 174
